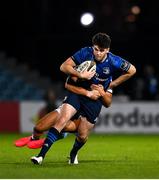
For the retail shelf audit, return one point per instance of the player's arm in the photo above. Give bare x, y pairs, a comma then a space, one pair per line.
106, 96
107, 99
68, 68
93, 94
124, 77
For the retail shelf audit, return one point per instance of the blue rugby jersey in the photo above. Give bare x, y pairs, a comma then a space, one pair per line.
104, 70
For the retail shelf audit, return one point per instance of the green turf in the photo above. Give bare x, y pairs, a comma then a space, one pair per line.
104, 156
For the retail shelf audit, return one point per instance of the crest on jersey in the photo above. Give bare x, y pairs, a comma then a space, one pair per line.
106, 70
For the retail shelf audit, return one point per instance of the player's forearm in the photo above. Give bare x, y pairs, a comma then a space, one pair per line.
107, 99
68, 67
123, 78
75, 89
94, 95
106, 96
119, 81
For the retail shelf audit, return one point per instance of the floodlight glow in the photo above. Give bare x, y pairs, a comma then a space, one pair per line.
136, 10
86, 19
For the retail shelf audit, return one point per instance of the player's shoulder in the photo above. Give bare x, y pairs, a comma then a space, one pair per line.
87, 49
87, 53
113, 58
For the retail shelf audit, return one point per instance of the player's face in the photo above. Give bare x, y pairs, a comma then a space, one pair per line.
100, 53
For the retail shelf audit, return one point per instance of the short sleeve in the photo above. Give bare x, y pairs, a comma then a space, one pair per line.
121, 64
82, 55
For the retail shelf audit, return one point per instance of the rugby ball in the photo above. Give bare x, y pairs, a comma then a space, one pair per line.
86, 66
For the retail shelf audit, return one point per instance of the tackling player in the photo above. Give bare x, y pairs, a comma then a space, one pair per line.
46, 122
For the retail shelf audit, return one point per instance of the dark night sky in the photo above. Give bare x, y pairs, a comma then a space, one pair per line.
44, 33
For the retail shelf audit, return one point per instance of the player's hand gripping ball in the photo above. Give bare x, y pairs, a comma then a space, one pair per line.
88, 65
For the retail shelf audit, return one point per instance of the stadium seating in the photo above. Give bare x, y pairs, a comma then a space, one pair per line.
14, 86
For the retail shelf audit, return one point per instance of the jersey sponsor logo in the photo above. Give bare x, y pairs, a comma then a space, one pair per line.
100, 79
106, 70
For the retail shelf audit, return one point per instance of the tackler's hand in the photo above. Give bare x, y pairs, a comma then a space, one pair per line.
93, 94
99, 88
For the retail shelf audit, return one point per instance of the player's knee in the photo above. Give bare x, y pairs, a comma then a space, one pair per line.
82, 138
63, 120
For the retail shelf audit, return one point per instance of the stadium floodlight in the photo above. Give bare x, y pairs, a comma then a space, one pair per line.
135, 10
86, 19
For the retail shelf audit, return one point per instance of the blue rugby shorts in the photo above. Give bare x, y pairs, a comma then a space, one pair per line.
85, 106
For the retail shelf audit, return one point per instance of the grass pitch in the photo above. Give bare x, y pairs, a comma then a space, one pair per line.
104, 156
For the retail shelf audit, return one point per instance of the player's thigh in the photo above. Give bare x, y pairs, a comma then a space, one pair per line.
84, 128
67, 111
72, 125
47, 121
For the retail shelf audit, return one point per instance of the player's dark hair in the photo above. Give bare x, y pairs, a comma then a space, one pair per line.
102, 40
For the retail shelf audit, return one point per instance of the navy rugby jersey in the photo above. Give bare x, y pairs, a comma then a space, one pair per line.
104, 70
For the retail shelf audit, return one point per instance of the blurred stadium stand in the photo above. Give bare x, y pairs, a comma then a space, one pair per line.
17, 82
